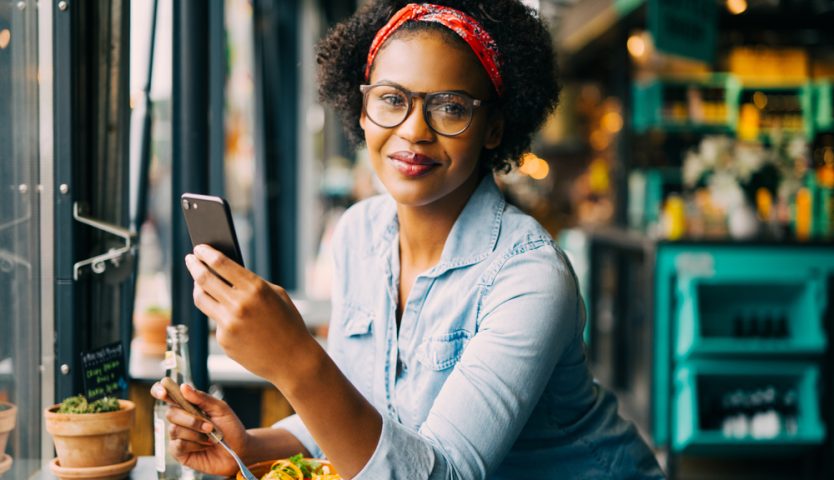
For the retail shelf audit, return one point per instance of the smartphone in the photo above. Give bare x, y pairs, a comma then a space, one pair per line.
209, 221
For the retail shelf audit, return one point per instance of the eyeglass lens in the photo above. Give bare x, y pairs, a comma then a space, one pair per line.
447, 113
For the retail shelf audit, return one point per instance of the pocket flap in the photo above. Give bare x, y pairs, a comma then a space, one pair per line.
359, 322
440, 352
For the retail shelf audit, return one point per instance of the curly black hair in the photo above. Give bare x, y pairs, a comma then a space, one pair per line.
528, 68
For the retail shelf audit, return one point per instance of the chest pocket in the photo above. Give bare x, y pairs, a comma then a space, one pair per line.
358, 323
357, 345
440, 352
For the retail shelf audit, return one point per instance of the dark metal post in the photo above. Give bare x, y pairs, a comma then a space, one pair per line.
67, 336
190, 163
217, 85
276, 140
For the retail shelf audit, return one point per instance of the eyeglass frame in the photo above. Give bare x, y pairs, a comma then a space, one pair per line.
475, 104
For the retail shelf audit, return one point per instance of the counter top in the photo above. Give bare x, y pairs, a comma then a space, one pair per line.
222, 369
144, 470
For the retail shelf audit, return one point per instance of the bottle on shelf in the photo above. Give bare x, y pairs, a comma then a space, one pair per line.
178, 369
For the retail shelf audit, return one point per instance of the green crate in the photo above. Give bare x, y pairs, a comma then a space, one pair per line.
750, 315
648, 97
805, 99
824, 107
700, 385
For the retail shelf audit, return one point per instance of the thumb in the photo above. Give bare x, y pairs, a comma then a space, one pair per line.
205, 402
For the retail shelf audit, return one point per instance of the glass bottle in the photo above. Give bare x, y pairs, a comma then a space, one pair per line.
177, 368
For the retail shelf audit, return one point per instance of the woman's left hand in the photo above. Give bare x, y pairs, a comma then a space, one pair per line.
257, 322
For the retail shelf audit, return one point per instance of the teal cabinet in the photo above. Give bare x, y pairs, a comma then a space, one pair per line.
738, 316
742, 314
715, 414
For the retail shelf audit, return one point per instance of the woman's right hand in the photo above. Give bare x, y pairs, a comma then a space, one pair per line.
189, 443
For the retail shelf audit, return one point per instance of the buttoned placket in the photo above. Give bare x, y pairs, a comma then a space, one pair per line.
396, 365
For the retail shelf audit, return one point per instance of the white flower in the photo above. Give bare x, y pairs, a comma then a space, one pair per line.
714, 150
748, 159
797, 147
725, 191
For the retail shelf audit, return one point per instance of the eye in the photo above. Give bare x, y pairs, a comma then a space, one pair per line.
449, 105
451, 108
393, 99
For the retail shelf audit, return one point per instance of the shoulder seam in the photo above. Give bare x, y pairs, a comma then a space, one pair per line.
531, 244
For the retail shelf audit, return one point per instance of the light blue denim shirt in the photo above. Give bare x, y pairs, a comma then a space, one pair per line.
486, 377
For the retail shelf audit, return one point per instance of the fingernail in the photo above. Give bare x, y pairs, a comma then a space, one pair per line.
201, 249
157, 390
207, 427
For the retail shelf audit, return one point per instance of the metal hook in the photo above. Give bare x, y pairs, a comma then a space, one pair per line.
98, 263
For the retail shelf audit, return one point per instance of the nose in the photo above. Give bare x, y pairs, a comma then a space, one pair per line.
414, 128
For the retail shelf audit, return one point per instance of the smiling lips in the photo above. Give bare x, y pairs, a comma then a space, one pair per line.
412, 164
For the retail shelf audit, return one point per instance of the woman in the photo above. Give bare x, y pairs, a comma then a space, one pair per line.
455, 347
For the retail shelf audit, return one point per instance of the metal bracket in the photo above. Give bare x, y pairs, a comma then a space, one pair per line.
98, 264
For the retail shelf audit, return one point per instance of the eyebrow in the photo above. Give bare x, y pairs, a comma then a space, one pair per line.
395, 84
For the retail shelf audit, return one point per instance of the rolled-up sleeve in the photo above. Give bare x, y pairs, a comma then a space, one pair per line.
295, 426
529, 316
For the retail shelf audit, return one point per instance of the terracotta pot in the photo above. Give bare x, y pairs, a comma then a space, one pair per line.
91, 439
107, 472
151, 334
7, 422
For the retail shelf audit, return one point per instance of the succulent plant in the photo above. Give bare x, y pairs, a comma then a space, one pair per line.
79, 404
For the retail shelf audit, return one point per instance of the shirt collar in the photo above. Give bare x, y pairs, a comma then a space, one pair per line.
473, 235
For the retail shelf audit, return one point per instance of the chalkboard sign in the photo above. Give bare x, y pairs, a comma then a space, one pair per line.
104, 372
684, 27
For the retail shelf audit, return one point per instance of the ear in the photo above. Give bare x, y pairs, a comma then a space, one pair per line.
495, 131
362, 119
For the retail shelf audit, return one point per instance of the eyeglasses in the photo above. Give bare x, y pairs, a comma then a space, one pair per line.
446, 113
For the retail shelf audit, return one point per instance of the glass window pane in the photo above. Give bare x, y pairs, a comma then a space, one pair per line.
20, 378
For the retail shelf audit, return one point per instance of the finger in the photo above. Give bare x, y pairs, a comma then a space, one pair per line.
207, 280
223, 265
158, 392
181, 448
208, 305
214, 407
180, 418
179, 433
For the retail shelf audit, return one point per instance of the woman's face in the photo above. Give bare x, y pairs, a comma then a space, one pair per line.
418, 166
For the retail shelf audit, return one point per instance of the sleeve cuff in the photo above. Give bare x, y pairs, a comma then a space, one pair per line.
399, 454
295, 426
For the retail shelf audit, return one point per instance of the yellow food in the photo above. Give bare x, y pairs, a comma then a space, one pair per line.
295, 468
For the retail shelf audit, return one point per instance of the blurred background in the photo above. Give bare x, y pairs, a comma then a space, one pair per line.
688, 173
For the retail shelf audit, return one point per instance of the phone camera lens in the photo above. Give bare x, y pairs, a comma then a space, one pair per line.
186, 204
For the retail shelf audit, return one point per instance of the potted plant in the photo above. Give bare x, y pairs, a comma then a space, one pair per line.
91, 438
150, 326
8, 414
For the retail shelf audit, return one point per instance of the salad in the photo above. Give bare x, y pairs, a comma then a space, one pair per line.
299, 468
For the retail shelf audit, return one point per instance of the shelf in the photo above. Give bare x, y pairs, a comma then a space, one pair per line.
701, 412
746, 315
679, 105
793, 103
685, 104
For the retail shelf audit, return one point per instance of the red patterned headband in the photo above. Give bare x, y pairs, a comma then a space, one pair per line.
462, 24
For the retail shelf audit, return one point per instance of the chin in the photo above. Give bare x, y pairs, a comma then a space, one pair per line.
413, 192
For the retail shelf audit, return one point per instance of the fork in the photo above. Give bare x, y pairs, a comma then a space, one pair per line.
174, 393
